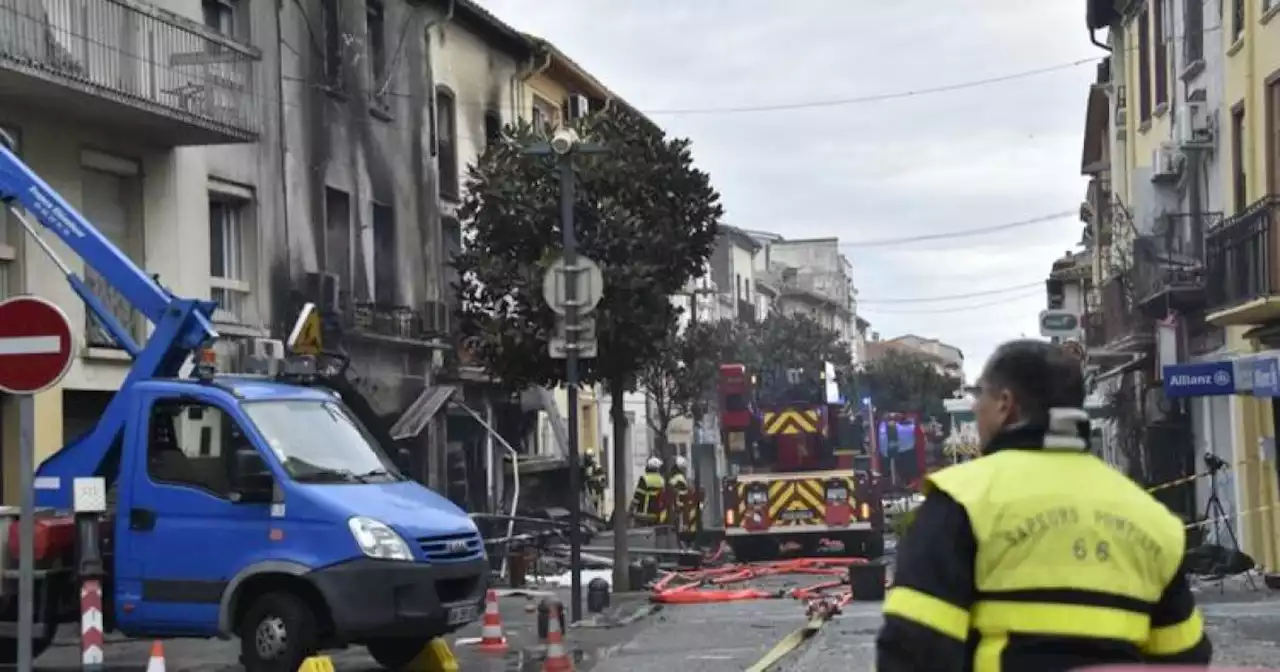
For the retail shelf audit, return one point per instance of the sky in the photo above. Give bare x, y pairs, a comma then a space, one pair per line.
909, 165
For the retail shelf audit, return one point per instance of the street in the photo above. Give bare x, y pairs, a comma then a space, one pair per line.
1243, 623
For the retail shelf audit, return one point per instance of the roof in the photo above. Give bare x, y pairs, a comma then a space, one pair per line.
740, 237
476, 19
587, 82
262, 389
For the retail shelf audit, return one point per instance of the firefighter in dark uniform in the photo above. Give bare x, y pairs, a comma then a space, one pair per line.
646, 503
1038, 555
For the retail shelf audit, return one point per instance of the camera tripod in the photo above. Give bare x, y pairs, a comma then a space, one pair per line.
1218, 519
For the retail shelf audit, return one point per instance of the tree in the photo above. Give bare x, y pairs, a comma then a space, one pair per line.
780, 341
642, 211
680, 379
906, 382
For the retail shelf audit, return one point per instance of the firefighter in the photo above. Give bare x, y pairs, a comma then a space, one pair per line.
1038, 555
685, 497
646, 503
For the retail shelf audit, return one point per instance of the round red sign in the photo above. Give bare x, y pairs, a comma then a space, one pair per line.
35, 345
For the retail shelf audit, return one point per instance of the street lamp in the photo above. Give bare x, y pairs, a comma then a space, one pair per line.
565, 145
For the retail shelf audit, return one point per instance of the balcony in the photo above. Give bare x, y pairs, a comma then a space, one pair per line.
128, 66
1122, 327
1169, 266
1243, 273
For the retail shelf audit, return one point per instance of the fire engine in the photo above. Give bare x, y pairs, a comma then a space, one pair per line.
794, 475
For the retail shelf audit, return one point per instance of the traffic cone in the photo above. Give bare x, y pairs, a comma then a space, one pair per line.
491, 637
156, 662
557, 658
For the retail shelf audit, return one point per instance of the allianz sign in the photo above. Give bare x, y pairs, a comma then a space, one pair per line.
1216, 379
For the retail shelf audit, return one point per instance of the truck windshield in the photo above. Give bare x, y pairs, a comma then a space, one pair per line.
320, 441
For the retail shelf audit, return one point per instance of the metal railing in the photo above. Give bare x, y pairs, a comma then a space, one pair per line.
132, 52
1241, 255
1173, 257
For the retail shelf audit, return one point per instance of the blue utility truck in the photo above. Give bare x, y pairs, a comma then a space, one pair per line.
246, 507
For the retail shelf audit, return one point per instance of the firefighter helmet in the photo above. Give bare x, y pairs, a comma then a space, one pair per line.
654, 464
681, 463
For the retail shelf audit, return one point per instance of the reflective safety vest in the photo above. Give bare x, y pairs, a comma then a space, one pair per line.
1068, 549
646, 504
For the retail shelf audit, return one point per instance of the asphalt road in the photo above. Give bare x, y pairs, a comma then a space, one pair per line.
1244, 625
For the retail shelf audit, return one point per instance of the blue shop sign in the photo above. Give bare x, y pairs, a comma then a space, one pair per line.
1266, 376
1204, 379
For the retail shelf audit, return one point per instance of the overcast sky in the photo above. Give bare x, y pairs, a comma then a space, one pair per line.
927, 164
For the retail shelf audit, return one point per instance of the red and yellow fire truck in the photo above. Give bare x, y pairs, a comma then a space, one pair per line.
797, 475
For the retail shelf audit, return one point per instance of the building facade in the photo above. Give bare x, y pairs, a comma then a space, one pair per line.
1180, 151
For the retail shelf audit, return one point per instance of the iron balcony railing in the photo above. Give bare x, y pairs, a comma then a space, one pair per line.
134, 53
1171, 262
1241, 255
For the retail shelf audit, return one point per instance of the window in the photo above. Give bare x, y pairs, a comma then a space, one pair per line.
1273, 134
111, 198
337, 236
375, 28
545, 115
193, 444
229, 245
492, 128
1144, 65
224, 16
333, 40
1192, 31
1162, 54
447, 139
385, 264
320, 441
1237, 19
451, 232
1239, 175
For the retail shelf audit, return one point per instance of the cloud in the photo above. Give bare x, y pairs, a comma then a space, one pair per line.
912, 165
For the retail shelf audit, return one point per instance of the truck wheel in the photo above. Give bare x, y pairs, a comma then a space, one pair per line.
277, 634
395, 654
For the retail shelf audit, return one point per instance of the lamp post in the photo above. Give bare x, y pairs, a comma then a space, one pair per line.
565, 146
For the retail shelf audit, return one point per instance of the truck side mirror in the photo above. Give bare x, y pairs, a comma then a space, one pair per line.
253, 482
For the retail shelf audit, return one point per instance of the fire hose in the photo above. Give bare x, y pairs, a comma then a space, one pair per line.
822, 600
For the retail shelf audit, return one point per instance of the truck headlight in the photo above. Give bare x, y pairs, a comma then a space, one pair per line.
377, 540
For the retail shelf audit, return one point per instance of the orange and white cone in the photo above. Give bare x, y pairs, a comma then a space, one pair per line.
491, 637
557, 658
156, 662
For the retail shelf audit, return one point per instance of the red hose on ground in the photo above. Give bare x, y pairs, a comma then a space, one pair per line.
693, 587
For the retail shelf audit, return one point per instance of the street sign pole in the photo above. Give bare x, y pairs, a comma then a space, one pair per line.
26, 530
35, 353
571, 379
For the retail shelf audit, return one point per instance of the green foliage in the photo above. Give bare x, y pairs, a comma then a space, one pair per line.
779, 341
680, 379
642, 211
903, 382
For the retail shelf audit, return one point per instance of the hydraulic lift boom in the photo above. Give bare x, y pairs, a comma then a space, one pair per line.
182, 326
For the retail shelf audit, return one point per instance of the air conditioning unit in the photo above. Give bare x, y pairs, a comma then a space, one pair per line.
267, 348
1195, 126
1166, 163
579, 106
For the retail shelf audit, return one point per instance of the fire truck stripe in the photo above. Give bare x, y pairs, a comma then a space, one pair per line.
778, 502
812, 494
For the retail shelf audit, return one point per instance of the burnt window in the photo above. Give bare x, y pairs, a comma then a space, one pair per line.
384, 255
333, 39
375, 26
492, 128
447, 142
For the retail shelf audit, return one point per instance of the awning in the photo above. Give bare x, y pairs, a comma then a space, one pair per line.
421, 411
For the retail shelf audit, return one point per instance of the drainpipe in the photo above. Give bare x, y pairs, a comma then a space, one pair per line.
1093, 37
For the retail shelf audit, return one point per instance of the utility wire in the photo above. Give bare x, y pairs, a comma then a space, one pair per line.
958, 309
949, 297
962, 233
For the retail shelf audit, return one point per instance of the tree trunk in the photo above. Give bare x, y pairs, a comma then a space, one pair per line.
621, 506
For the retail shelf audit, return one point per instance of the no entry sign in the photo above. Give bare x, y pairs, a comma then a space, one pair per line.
35, 345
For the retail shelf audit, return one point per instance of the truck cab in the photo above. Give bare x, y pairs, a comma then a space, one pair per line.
252, 508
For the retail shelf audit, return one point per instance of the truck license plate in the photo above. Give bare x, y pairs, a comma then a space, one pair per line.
463, 615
